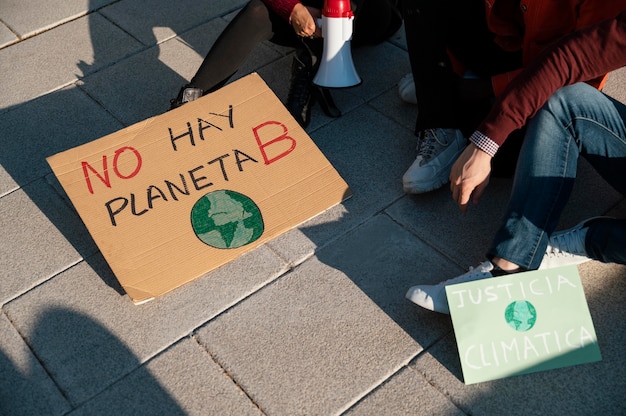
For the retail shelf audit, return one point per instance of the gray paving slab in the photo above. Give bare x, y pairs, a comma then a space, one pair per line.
371, 158
399, 39
28, 17
591, 196
25, 387
397, 110
7, 36
41, 227
372, 63
619, 210
7, 183
88, 335
46, 62
586, 389
406, 393
152, 21
308, 344
43, 127
299, 244
382, 259
183, 380
184, 55
462, 238
616, 85
131, 96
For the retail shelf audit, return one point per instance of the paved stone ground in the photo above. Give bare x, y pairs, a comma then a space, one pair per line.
312, 323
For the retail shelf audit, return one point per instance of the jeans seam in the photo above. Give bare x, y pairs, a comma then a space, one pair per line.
555, 198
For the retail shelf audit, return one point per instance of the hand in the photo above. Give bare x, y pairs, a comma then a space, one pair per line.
303, 21
470, 176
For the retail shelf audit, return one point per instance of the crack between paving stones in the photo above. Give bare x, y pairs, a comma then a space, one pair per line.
228, 374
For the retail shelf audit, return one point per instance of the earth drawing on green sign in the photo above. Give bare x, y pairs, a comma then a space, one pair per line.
521, 315
226, 219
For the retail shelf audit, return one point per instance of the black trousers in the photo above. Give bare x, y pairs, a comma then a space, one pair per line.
434, 28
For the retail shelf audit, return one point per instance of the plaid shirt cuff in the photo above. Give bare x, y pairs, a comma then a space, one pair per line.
484, 143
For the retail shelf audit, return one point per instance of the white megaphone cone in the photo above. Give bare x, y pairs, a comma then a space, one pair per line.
336, 68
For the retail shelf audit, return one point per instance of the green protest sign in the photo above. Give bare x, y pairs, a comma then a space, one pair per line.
522, 323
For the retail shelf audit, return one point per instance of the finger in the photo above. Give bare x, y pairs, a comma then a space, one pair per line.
310, 28
478, 192
463, 202
455, 191
464, 195
457, 196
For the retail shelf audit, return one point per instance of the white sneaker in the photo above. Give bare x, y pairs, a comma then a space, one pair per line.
406, 89
567, 247
433, 297
437, 150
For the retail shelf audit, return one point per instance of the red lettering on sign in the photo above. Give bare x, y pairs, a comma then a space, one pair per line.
274, 141
104, 176
118, 152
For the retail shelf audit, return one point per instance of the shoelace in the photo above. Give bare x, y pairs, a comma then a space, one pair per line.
427, 144
567, 244
478, 269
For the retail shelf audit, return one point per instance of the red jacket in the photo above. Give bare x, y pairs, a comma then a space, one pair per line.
282, 8
579, 57
534, 25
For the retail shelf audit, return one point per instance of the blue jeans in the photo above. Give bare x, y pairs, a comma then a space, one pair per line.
577, 120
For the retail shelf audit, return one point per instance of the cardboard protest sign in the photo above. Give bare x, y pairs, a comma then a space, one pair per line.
175, 196
522, 323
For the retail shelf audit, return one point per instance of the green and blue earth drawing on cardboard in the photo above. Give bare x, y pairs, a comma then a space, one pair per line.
522, 323
226, 219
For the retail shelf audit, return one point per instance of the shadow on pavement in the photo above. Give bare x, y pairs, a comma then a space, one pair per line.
83, 359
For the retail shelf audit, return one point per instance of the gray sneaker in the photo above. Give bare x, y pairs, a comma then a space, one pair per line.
437, 150
433, 297
567, 247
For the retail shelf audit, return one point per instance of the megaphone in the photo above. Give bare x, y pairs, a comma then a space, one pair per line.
336, 69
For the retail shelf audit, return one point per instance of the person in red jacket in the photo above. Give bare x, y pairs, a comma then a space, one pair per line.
289, 23
567, 118
456, 91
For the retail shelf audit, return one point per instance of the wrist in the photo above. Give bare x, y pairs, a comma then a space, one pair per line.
478, 152
294, 11
484, 143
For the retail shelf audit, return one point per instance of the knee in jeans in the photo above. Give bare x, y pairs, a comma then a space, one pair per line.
571, 95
